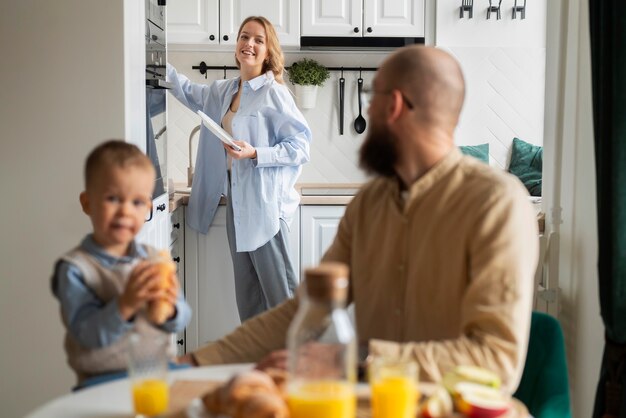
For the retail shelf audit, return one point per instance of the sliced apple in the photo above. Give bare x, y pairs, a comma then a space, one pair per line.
479, 401
470, 374
438, 404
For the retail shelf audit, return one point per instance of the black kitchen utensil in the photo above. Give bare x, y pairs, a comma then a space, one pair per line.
359, 122
342, 85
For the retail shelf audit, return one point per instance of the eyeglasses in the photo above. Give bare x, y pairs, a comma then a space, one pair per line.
367, 94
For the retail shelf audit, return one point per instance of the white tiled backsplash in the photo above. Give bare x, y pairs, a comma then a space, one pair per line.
334, 157
504, 99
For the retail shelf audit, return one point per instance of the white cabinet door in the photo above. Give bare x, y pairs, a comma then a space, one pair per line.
332, 18
318, 229
210, 283
357, 18
193, 22
402, 18
284, 15
215, 22
156, 231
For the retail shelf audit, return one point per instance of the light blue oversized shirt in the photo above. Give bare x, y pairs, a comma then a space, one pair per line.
262, 189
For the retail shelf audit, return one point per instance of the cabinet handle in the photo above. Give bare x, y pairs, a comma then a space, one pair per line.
356, 30
154, 37
176, 225
212, 37
369, 30
161, 207
180, 342
177, 259
225, 37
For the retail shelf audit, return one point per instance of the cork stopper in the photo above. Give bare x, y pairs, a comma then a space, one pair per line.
327, 282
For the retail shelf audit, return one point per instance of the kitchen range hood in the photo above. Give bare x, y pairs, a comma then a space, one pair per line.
344, 43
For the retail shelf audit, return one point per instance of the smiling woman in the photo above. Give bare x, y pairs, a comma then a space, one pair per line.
257, 110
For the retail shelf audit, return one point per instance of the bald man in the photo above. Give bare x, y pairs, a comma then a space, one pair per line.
442, 248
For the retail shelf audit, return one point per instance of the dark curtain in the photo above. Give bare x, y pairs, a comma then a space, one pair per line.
608, 64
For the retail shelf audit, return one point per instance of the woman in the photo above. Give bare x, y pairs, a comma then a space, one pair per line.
257, 110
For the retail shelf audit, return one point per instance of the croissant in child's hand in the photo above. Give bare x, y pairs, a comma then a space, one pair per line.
160, 310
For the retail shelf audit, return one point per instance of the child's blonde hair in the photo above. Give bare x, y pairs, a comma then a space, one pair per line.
114, 153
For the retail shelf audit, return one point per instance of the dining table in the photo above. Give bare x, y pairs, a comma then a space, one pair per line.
113, 399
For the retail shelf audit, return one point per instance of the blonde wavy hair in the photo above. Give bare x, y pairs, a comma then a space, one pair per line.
275, 61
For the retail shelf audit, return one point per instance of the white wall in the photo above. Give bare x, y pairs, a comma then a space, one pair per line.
503, 62
62, 88
578, 277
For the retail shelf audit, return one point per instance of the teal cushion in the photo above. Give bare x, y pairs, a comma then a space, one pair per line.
480, 152
527, 164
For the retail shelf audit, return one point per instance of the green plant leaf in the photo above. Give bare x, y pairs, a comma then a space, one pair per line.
308, 72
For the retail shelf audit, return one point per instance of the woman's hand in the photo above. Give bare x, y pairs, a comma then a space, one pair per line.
247, 151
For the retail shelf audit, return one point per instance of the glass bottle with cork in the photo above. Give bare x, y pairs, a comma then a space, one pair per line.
322, 347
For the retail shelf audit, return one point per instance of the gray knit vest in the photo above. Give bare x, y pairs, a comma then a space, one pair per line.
106, 284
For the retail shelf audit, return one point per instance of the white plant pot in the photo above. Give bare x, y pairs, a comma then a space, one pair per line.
306, 96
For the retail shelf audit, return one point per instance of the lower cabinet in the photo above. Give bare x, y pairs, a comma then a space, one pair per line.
156, 230
209, 277
177, 251
209, 283
318, 229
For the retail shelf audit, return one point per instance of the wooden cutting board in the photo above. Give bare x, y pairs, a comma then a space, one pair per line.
182, 392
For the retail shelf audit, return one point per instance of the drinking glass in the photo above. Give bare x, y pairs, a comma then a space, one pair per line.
147, 370
395, 390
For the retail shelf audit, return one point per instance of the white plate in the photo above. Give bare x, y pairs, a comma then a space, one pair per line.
218, 131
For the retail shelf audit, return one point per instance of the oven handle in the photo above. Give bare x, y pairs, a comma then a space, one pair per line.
155, 83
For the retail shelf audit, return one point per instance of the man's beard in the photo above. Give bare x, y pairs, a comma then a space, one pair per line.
378, 154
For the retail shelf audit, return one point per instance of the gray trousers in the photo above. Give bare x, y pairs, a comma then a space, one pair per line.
264, 277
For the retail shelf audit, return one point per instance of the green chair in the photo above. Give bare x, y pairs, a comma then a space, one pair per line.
544, 388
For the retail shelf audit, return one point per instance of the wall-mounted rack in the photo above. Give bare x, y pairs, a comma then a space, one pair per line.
521, 8
203, 68
493, 8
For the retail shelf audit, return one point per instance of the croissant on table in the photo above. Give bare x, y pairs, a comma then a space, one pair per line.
251, 394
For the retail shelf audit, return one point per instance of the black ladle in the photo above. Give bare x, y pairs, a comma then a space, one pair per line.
359, 122
342, 85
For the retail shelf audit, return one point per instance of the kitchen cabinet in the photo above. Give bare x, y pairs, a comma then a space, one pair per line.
363, 18
155, 232
177, 251
216, 22
318, 229
209, 281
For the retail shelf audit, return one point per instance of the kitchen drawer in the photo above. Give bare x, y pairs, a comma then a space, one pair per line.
177, 219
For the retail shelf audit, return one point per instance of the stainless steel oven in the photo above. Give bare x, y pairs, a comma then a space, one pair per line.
156, 87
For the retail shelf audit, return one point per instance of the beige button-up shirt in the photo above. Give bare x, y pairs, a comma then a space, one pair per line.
444, 275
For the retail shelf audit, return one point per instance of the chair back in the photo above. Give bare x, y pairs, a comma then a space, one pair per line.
544, 387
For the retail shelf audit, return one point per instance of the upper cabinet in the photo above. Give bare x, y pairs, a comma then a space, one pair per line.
363, 18
216, 22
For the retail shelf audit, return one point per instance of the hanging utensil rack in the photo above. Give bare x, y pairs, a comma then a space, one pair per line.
203, 68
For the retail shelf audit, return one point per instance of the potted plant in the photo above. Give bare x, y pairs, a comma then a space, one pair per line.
307, 75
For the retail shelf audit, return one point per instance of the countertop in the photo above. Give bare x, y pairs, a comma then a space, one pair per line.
323, 194
310, 194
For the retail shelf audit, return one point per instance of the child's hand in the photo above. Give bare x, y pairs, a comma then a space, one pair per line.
142, 286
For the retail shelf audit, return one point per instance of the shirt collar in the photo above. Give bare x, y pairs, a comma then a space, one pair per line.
136, 251
259, 81
427, 181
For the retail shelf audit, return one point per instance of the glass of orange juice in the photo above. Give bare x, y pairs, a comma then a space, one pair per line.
394, 386
147, 369
322, 398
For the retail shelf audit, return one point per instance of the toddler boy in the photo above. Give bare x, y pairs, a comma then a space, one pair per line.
104, 284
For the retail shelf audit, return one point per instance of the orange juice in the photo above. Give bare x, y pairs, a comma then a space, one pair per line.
394, 397
150, 397
327, 399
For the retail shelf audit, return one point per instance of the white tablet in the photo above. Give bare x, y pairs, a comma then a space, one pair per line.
218, 131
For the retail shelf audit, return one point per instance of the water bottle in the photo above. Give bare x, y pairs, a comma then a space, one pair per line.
322, 347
